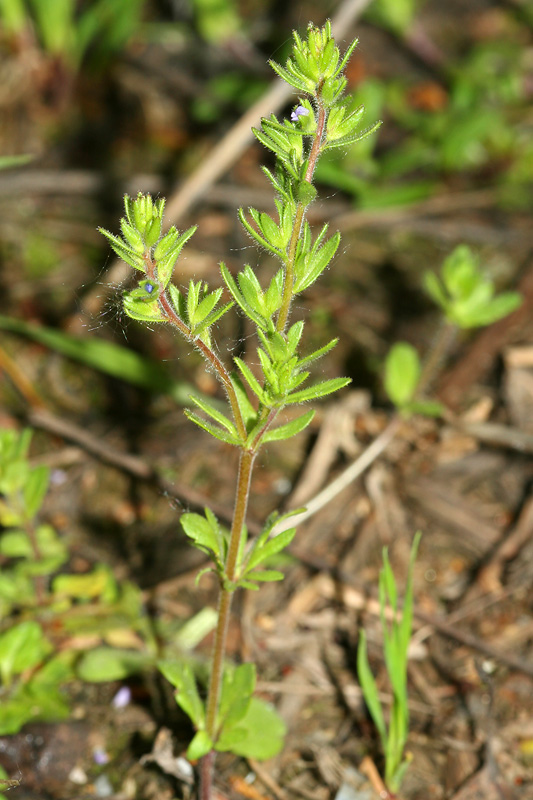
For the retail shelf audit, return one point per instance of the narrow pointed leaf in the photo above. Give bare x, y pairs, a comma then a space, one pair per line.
215, 414
319, 390
262, 551
290, 429
214, 430
370, 689
250, 379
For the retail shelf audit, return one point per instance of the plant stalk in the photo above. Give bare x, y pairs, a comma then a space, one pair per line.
288, 288
224, 607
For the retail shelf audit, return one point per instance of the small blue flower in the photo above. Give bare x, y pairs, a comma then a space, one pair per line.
298, 112
149, 287
122, 697
100, 756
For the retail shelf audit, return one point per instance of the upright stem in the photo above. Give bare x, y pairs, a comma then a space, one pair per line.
224, 607
288, 288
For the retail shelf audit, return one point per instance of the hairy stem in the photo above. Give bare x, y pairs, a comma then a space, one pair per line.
288, 288
206, 775
224, 607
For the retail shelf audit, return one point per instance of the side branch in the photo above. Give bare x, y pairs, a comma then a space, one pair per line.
210, 356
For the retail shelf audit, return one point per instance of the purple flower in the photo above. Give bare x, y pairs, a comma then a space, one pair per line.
149, 287
298, 112
122, 698
100, 756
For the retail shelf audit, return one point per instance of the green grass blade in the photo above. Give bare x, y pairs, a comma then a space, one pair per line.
370, 689
107, 357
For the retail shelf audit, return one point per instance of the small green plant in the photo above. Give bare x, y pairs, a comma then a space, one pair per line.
232, 719
467, 298
396, 637
48, 612
29, 670
65, 31
465, 294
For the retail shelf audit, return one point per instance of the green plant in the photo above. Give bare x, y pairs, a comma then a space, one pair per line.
474, 116
232, 719
396, 636
466, 296
48, 612
66, 32
395, 15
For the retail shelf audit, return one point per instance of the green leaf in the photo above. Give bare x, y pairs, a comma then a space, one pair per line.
197, 628
50, 545
262, 550
15, 544
318, 390
290, 429
31, 702
132, 236
259, 734
98, 583
124, 252
214, 430
58, 669
205, 307
249, 413
239, 297
258, 236
406, 623
106, 664
181, 676
402, 373
7, 162
167, 252
237, 689
21, 647
14, 587
317, 260
209, 409
427, 408
322, 351
303, 85
370, 689
204, 533
200, 746
35, 489
493, 310
139, 309
107, 357
251, 380
305, 193
460, 272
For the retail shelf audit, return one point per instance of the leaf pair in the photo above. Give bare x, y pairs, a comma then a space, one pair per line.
246, 726
465, 294
284, 372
